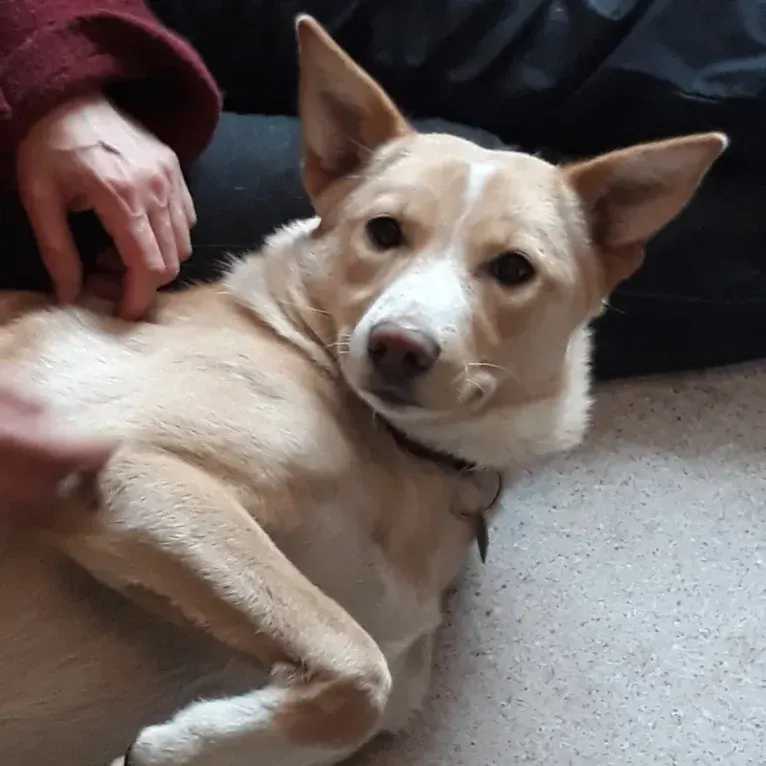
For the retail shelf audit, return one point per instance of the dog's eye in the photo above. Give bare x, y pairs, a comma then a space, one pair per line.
511, 269
385, 233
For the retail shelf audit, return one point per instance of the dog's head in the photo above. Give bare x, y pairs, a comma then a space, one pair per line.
460, 280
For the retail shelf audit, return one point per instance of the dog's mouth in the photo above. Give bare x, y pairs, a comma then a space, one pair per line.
393, 397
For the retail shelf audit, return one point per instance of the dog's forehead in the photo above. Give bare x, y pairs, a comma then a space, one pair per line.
459, 171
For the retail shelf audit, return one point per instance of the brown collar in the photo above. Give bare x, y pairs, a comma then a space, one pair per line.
454, 464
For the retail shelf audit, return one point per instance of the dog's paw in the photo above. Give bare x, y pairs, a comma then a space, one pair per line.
164, 745
124, 760
148, 750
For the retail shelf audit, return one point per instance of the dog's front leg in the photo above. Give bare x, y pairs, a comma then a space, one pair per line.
178, 539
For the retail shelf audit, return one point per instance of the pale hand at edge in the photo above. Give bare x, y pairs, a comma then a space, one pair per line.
88, 155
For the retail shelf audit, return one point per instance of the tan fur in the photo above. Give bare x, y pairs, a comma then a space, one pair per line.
259, 538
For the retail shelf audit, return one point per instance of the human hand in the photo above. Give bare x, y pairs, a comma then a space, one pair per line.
36, 455
87, 155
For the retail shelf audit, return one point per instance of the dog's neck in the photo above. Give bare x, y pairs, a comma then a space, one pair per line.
276, 286
272, 285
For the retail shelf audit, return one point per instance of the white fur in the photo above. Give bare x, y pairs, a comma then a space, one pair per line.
432, 296
479, 174
521, 434
233, 731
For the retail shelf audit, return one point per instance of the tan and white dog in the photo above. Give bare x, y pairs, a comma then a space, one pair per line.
257, 574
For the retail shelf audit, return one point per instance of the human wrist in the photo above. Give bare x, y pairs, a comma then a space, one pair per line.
92, 99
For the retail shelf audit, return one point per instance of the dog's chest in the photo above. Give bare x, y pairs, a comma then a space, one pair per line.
389, 574
370, 587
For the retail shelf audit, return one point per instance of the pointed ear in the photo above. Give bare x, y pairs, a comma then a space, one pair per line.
345, 114
630, 194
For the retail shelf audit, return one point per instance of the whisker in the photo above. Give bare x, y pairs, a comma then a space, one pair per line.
608, 306
473, 366
304, 307
464, 387
476, 384
342, 345
486, 366
463, 382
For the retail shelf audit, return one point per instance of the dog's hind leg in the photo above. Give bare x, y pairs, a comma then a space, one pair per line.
239, 731
172, 535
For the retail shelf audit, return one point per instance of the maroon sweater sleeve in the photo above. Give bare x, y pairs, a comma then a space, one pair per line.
51, 50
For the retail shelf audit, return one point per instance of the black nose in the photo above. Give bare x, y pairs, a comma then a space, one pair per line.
399, 354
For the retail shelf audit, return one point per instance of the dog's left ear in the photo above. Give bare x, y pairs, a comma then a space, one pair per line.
345, 114
630, 194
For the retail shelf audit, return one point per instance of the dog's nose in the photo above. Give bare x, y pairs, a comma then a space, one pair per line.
399, 354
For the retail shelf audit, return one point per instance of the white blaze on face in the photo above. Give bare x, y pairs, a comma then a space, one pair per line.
479, 174
434, 294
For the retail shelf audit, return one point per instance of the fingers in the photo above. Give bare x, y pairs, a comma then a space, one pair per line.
14, 400
28, 427
149, 219
183, 217
68, 454
137, 244
180, 210
161, 220
89, 155
186, 200
38, 451
138, 290
34, 468
58, 453
47, 213
151, 231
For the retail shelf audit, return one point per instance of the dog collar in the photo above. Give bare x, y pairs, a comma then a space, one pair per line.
456, 465
418, 449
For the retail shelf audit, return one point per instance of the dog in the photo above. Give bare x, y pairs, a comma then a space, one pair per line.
309, 449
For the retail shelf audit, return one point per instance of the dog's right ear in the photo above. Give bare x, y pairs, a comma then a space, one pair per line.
629, 195
345, 114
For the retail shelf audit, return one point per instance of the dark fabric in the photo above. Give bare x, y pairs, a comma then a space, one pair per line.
52, 50
578, 75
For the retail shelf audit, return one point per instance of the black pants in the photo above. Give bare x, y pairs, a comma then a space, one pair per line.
700, 300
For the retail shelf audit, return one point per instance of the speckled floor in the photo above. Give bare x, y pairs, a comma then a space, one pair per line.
621, 617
